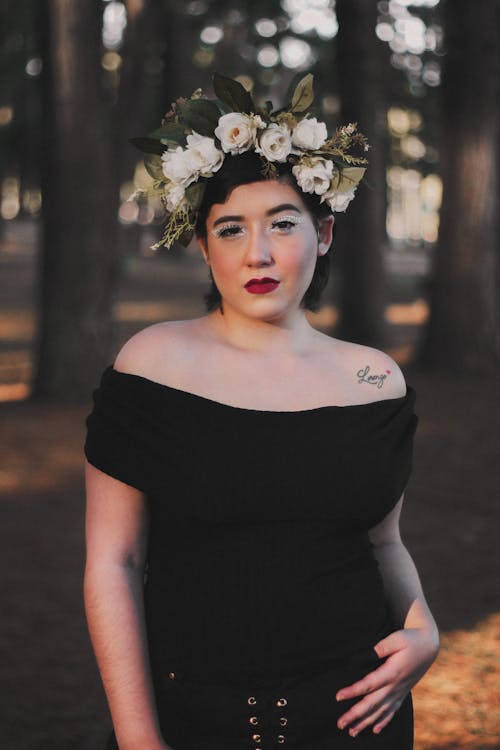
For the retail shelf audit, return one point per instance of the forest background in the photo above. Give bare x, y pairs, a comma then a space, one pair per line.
419, 247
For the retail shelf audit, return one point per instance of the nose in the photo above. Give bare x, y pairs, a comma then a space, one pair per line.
258, 250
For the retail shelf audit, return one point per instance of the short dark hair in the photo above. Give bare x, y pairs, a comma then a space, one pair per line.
243, 169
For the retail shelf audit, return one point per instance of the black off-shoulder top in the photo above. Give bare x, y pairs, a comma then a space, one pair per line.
259, 558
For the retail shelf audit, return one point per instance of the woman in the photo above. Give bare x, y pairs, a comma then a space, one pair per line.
246, 585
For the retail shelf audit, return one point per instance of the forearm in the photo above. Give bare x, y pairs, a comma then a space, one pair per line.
114, 606
403, 587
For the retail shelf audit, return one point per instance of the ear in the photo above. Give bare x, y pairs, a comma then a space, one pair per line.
325, 234
204, 249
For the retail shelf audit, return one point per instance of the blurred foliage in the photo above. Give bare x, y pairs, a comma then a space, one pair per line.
268, 45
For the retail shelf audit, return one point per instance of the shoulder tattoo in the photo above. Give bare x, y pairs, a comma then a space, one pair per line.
364, 376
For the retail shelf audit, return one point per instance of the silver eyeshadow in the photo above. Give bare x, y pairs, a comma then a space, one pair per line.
292, 218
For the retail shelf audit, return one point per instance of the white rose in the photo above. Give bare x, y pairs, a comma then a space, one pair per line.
202, 155
309, 134
237, 131
275, 142
174, 196
314, 176
339, 201
176, 167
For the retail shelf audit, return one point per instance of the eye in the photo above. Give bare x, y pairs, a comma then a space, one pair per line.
230, 230
286, 224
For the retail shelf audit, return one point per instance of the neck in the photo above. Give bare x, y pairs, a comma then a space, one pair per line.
290, 335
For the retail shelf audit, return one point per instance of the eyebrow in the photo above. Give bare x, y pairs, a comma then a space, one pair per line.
271, 212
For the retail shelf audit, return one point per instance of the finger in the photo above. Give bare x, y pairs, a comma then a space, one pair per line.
393, 642
374, 680
379, 713
364, 708
381, 723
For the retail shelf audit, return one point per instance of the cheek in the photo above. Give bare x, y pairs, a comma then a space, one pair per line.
300, 256
224, 265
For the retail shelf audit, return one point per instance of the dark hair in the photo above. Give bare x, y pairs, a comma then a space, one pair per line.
245, 168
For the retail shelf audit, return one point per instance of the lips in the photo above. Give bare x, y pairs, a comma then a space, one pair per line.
264, 280
261, 286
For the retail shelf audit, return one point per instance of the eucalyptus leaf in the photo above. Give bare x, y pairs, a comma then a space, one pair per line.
233, 94
303, 96
148, 145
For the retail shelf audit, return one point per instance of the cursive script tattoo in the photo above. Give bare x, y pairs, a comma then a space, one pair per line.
377, 380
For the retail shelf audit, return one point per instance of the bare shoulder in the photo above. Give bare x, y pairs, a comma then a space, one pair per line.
367, 366
157, 350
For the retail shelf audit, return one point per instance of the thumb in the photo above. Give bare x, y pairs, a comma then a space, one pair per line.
388, 645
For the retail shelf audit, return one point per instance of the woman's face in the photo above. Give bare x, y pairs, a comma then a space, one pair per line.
263, 230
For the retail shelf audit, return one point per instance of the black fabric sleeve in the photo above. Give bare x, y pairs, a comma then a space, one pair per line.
118, 439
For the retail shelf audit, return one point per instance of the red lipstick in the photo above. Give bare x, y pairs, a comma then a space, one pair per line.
261, 286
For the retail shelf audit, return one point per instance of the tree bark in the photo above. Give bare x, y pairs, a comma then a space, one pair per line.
464, 329
79, 258
361, 235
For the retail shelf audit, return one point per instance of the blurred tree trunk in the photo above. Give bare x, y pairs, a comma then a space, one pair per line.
79, 261
464, 329
140, 96
361, 235
153, 74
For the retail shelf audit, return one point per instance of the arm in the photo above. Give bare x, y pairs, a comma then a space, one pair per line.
410, 651
116, 541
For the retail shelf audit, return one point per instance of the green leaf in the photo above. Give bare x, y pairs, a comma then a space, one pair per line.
224, 108
200, 115
233, 94
148, 145
171, 132
153, 164
185, 238
205, 108
195, 193
303, 96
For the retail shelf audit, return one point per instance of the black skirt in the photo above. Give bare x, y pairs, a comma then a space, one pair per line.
298, 712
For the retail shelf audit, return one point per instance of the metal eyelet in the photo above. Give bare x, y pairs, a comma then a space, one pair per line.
281, 738
171, 675
253, 720
283, 721
256, 738
281, 702
252, 701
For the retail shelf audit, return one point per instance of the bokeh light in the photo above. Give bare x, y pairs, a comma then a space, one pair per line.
211, 35
34, 67
312, 16
6, 115
114, 24
409, 38
9, 198
197, 8
268, 56
266, 27
296, 53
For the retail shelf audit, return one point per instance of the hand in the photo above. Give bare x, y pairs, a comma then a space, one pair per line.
410, 653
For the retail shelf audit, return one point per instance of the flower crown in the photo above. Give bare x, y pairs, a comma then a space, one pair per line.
197, 134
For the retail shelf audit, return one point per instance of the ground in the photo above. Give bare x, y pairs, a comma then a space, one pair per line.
52, 697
